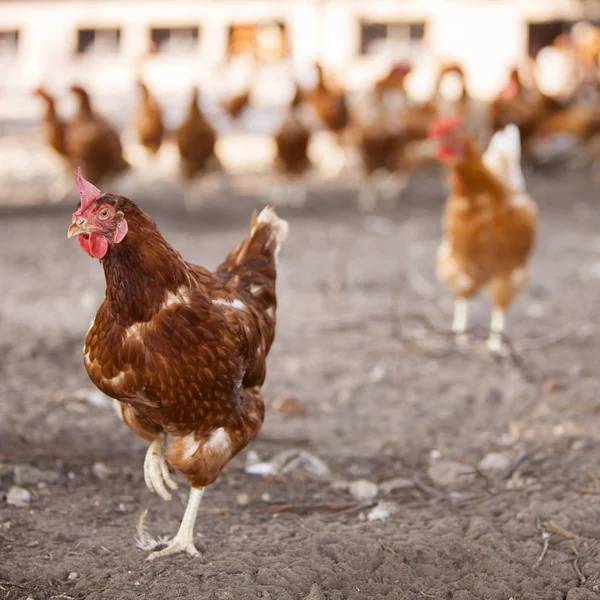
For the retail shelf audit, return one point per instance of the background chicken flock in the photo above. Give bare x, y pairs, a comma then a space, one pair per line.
381, 133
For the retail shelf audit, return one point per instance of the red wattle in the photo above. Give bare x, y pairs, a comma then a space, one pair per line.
95, 245
98, 245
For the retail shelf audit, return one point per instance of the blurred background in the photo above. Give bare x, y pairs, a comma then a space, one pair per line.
491, 61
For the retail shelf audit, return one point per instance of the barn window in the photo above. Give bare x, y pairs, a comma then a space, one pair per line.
176, 40
400, 39
9, 43
265, 41
98, 41
543, 34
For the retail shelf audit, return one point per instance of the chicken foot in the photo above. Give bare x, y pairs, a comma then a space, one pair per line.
184, 539
156, 471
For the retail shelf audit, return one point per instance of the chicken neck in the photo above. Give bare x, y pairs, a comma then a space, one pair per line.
141, 269
470, 177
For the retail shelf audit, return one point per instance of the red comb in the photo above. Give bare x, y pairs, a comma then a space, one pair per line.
87, 192
443, 127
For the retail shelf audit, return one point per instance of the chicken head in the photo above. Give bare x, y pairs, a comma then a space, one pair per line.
96, 222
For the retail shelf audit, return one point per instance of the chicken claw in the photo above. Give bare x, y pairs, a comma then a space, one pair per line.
156, 471
184, 539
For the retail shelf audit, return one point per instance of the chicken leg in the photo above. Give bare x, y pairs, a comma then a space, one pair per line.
495, 341
184, 539
461, 315
156, 471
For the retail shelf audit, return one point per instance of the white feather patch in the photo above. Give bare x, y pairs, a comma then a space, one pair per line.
237, 304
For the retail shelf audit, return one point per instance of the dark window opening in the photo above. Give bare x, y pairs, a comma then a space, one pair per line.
98, 41
375, 37
543, 34
175, 39
9, 43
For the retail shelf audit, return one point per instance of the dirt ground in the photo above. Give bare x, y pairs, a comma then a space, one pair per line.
480, 463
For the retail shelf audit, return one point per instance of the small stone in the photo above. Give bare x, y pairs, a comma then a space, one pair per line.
536, 310
28, 475
315, 593
377, 374
551, 386
18, 496
243, 499
363, 489
398, 483
101, 471
339, 485
382, 512
448, 472
265, 497
494, 396
289, 406
494, 461
73, 576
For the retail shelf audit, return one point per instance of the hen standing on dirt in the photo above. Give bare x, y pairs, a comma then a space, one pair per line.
489, 223
93, 142
182, 349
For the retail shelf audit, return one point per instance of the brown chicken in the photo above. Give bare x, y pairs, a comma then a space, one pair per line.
292, 141
394, 80
196, 140
53, 126
236, 105
523, 107
181, 349
388, 155
489, 228
292, 159
148, 121
580, 121
330, 105
93, 143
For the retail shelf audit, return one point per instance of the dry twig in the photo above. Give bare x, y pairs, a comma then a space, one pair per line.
226, 572
339, 507
546, 535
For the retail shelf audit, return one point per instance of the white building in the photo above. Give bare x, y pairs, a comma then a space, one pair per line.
101, 43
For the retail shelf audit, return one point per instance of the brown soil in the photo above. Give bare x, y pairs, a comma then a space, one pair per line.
361, 345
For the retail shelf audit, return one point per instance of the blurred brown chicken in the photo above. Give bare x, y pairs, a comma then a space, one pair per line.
394, 80
236, 105
292, 159
196, 140
330, 105
93, 143
525, 108
53, 127
389, 153
148, 121
489, 222
292, 145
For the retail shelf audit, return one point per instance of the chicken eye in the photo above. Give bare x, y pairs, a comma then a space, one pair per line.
104, 214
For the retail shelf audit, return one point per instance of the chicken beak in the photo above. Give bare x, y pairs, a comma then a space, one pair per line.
76, 229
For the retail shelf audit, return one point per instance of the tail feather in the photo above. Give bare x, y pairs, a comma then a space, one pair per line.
267, 233
254, 260
503, 157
